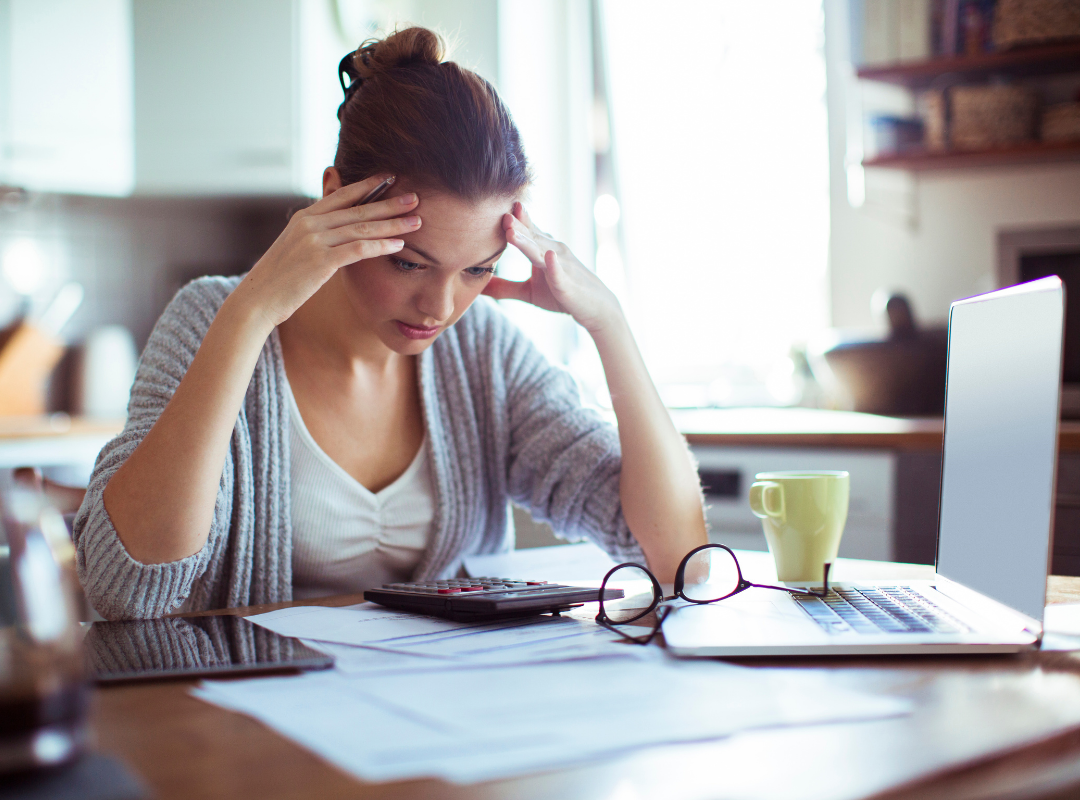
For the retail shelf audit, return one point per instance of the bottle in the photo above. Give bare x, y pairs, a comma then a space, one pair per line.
43, 689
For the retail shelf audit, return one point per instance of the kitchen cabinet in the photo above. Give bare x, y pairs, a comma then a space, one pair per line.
65, 96
728, 472
157, 97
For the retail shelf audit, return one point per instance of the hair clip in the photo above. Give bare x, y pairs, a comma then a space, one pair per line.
345, 67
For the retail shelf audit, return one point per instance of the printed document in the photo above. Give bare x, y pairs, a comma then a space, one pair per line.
475, 723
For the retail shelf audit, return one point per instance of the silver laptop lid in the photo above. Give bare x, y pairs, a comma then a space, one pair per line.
1001, 430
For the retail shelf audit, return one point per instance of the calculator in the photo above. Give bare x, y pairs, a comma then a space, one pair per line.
484, 599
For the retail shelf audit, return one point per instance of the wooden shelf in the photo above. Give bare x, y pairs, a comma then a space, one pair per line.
1028, 153
1033, 60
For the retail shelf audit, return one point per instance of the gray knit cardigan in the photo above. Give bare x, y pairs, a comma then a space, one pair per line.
502, 424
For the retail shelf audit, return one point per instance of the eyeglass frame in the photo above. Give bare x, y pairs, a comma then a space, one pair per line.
680, 577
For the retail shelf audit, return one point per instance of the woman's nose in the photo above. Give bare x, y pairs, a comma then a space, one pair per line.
438, 301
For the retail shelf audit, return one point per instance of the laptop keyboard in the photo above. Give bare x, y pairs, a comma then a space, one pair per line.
879, 609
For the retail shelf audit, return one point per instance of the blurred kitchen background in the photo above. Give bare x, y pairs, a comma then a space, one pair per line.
786, 197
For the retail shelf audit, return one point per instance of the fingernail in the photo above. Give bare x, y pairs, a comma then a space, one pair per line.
407, 199
396, 244
412, 221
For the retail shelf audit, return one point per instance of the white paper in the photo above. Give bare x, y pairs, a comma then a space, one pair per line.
475, 724
1061, 627
516, 641
360, 624
1062, 618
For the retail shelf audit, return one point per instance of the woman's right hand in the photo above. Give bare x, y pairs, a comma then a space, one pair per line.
320, 240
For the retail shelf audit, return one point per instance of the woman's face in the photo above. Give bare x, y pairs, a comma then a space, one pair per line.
409, 298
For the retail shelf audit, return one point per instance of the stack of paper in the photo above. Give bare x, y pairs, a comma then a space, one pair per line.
516, 641
415, 696
479, 723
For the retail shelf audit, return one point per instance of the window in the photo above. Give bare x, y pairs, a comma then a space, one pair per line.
720, 153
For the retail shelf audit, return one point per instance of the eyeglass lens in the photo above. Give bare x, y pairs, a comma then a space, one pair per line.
710, 574
640, 594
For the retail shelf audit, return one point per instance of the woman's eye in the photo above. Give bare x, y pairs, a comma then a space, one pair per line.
479, 272
405, 266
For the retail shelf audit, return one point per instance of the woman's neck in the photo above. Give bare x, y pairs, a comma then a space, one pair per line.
326, 329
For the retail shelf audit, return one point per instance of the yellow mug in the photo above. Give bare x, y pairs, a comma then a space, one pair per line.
803, 514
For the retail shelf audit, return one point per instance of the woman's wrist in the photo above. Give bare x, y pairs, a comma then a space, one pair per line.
244, 315
610, 326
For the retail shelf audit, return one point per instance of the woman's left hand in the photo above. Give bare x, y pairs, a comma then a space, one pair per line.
559, 281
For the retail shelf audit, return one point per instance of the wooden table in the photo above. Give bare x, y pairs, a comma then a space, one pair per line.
185, 748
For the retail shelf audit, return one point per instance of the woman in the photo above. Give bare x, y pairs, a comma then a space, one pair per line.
350, 412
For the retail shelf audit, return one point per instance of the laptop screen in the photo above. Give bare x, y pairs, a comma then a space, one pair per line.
1001, 419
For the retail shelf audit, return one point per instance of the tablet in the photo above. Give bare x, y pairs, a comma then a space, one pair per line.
192, 647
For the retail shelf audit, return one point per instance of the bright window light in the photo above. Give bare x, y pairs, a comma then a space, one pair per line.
718, 125
23, 265
606, 211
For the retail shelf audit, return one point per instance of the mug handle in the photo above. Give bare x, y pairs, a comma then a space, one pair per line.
767, 500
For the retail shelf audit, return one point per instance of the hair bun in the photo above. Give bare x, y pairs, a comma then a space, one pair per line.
400, 49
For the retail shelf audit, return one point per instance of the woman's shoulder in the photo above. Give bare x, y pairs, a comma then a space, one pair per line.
194, 307
182, 325
485, 327
203, 295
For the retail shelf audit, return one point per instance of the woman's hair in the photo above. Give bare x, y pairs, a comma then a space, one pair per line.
411, 114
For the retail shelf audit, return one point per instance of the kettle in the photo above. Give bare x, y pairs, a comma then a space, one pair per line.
902, 374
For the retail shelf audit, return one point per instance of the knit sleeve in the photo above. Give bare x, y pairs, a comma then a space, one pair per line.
118, 586
564, 459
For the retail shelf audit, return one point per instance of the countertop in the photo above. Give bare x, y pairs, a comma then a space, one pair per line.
809, 427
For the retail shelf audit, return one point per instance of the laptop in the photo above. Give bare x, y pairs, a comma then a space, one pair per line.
996, 516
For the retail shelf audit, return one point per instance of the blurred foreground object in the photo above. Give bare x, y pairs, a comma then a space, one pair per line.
1023, 22
43, 691
65, 499
901, 375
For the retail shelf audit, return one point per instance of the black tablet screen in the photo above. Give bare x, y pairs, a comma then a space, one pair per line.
177, 647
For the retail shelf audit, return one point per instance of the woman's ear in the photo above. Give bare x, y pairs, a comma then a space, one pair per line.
331, 181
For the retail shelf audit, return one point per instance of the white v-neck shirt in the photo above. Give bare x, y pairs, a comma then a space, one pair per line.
346, 538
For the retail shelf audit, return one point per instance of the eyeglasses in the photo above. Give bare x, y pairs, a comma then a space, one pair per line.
706, 574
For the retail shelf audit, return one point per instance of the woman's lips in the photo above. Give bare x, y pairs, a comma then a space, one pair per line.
416, 331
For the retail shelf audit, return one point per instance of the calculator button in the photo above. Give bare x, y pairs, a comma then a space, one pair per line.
449, 591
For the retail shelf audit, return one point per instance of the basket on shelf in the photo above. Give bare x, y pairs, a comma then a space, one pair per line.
1061, 123
991, 116
1023, 22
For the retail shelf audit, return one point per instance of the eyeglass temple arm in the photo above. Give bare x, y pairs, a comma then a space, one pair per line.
823, 592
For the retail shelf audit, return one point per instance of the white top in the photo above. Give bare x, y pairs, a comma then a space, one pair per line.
346, 538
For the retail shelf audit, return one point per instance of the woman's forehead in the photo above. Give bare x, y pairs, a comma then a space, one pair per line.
454, 229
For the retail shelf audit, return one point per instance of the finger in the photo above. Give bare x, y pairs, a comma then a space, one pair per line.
348, 195
556, 275
374, 229
531, 249
351, 252
502, 289
381, 209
